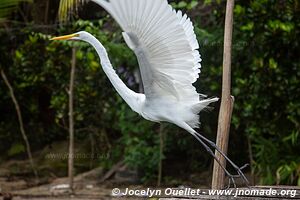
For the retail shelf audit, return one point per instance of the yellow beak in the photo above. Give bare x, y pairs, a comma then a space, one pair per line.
65, 37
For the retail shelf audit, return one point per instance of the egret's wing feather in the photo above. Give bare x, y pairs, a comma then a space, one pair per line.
165, 44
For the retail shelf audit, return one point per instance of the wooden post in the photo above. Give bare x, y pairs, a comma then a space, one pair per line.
71, 122
227, 101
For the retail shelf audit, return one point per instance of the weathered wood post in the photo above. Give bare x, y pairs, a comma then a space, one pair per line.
227, 100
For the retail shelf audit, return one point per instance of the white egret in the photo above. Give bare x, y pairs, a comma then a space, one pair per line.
166, 47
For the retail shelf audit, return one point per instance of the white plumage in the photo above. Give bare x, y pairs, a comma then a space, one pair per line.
166, 47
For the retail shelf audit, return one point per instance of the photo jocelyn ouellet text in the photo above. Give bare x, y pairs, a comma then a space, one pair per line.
186, 192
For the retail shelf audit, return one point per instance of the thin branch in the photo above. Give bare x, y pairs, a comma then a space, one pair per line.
20, 119
92, 150
226, 102
161, 152
71, 122
46, 12
251, 161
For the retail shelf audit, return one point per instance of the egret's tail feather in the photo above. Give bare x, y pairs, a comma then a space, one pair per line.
196, 108
203, 104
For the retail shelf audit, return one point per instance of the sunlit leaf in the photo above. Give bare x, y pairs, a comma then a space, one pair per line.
68, 7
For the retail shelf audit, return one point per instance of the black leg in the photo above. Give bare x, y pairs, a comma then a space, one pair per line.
238, 169
211, 153
231, 177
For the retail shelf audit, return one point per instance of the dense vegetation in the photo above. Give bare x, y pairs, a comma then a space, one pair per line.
266, 78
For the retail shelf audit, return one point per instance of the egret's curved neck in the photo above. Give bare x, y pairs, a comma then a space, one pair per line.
132, 98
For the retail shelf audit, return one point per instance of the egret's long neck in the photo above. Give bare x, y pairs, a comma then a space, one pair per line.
132, 98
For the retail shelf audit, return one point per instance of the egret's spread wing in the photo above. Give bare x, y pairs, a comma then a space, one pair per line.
164, 43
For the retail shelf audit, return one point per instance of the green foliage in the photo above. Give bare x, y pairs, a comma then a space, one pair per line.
265, 82
140, 141
16, 149
288, 173
9, 6
185, 5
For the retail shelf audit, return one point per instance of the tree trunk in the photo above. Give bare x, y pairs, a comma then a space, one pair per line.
226, 102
